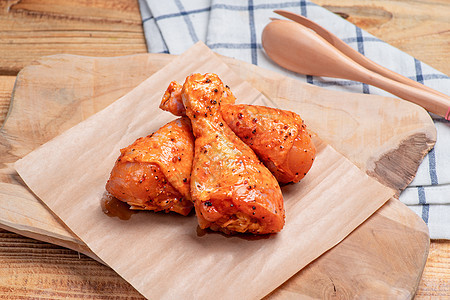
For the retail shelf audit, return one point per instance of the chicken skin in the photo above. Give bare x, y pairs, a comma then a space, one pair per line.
279, 138
173, 103
153, 173
231, 189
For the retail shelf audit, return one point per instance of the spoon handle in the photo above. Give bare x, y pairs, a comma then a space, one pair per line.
436, 103
352, 53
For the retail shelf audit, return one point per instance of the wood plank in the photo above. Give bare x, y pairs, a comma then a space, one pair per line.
435, 280
33, 28
420, 28
66, 89
63, 273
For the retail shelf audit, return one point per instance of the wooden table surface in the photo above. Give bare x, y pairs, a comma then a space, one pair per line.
33, 28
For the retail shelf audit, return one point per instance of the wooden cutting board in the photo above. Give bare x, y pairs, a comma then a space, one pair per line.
386, 137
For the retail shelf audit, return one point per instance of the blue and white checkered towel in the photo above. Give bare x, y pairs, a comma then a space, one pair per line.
233, 28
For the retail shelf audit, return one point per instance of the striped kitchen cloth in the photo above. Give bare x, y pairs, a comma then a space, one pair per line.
233, 28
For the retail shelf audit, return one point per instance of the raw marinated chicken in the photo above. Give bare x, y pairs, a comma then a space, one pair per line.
153, 173
278, 137
231, 189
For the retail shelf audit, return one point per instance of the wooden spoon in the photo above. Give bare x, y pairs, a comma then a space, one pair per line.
299, 49
352, 53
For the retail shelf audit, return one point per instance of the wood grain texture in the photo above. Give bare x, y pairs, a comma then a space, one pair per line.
112, 28
33, 269
424, 34
435, 282
33, 28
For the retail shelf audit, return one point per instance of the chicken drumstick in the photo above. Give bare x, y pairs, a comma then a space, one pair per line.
231, 189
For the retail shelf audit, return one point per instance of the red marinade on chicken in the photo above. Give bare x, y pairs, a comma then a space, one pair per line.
231, 188
153, 173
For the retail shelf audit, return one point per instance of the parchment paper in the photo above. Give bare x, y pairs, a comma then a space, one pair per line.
162, 255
